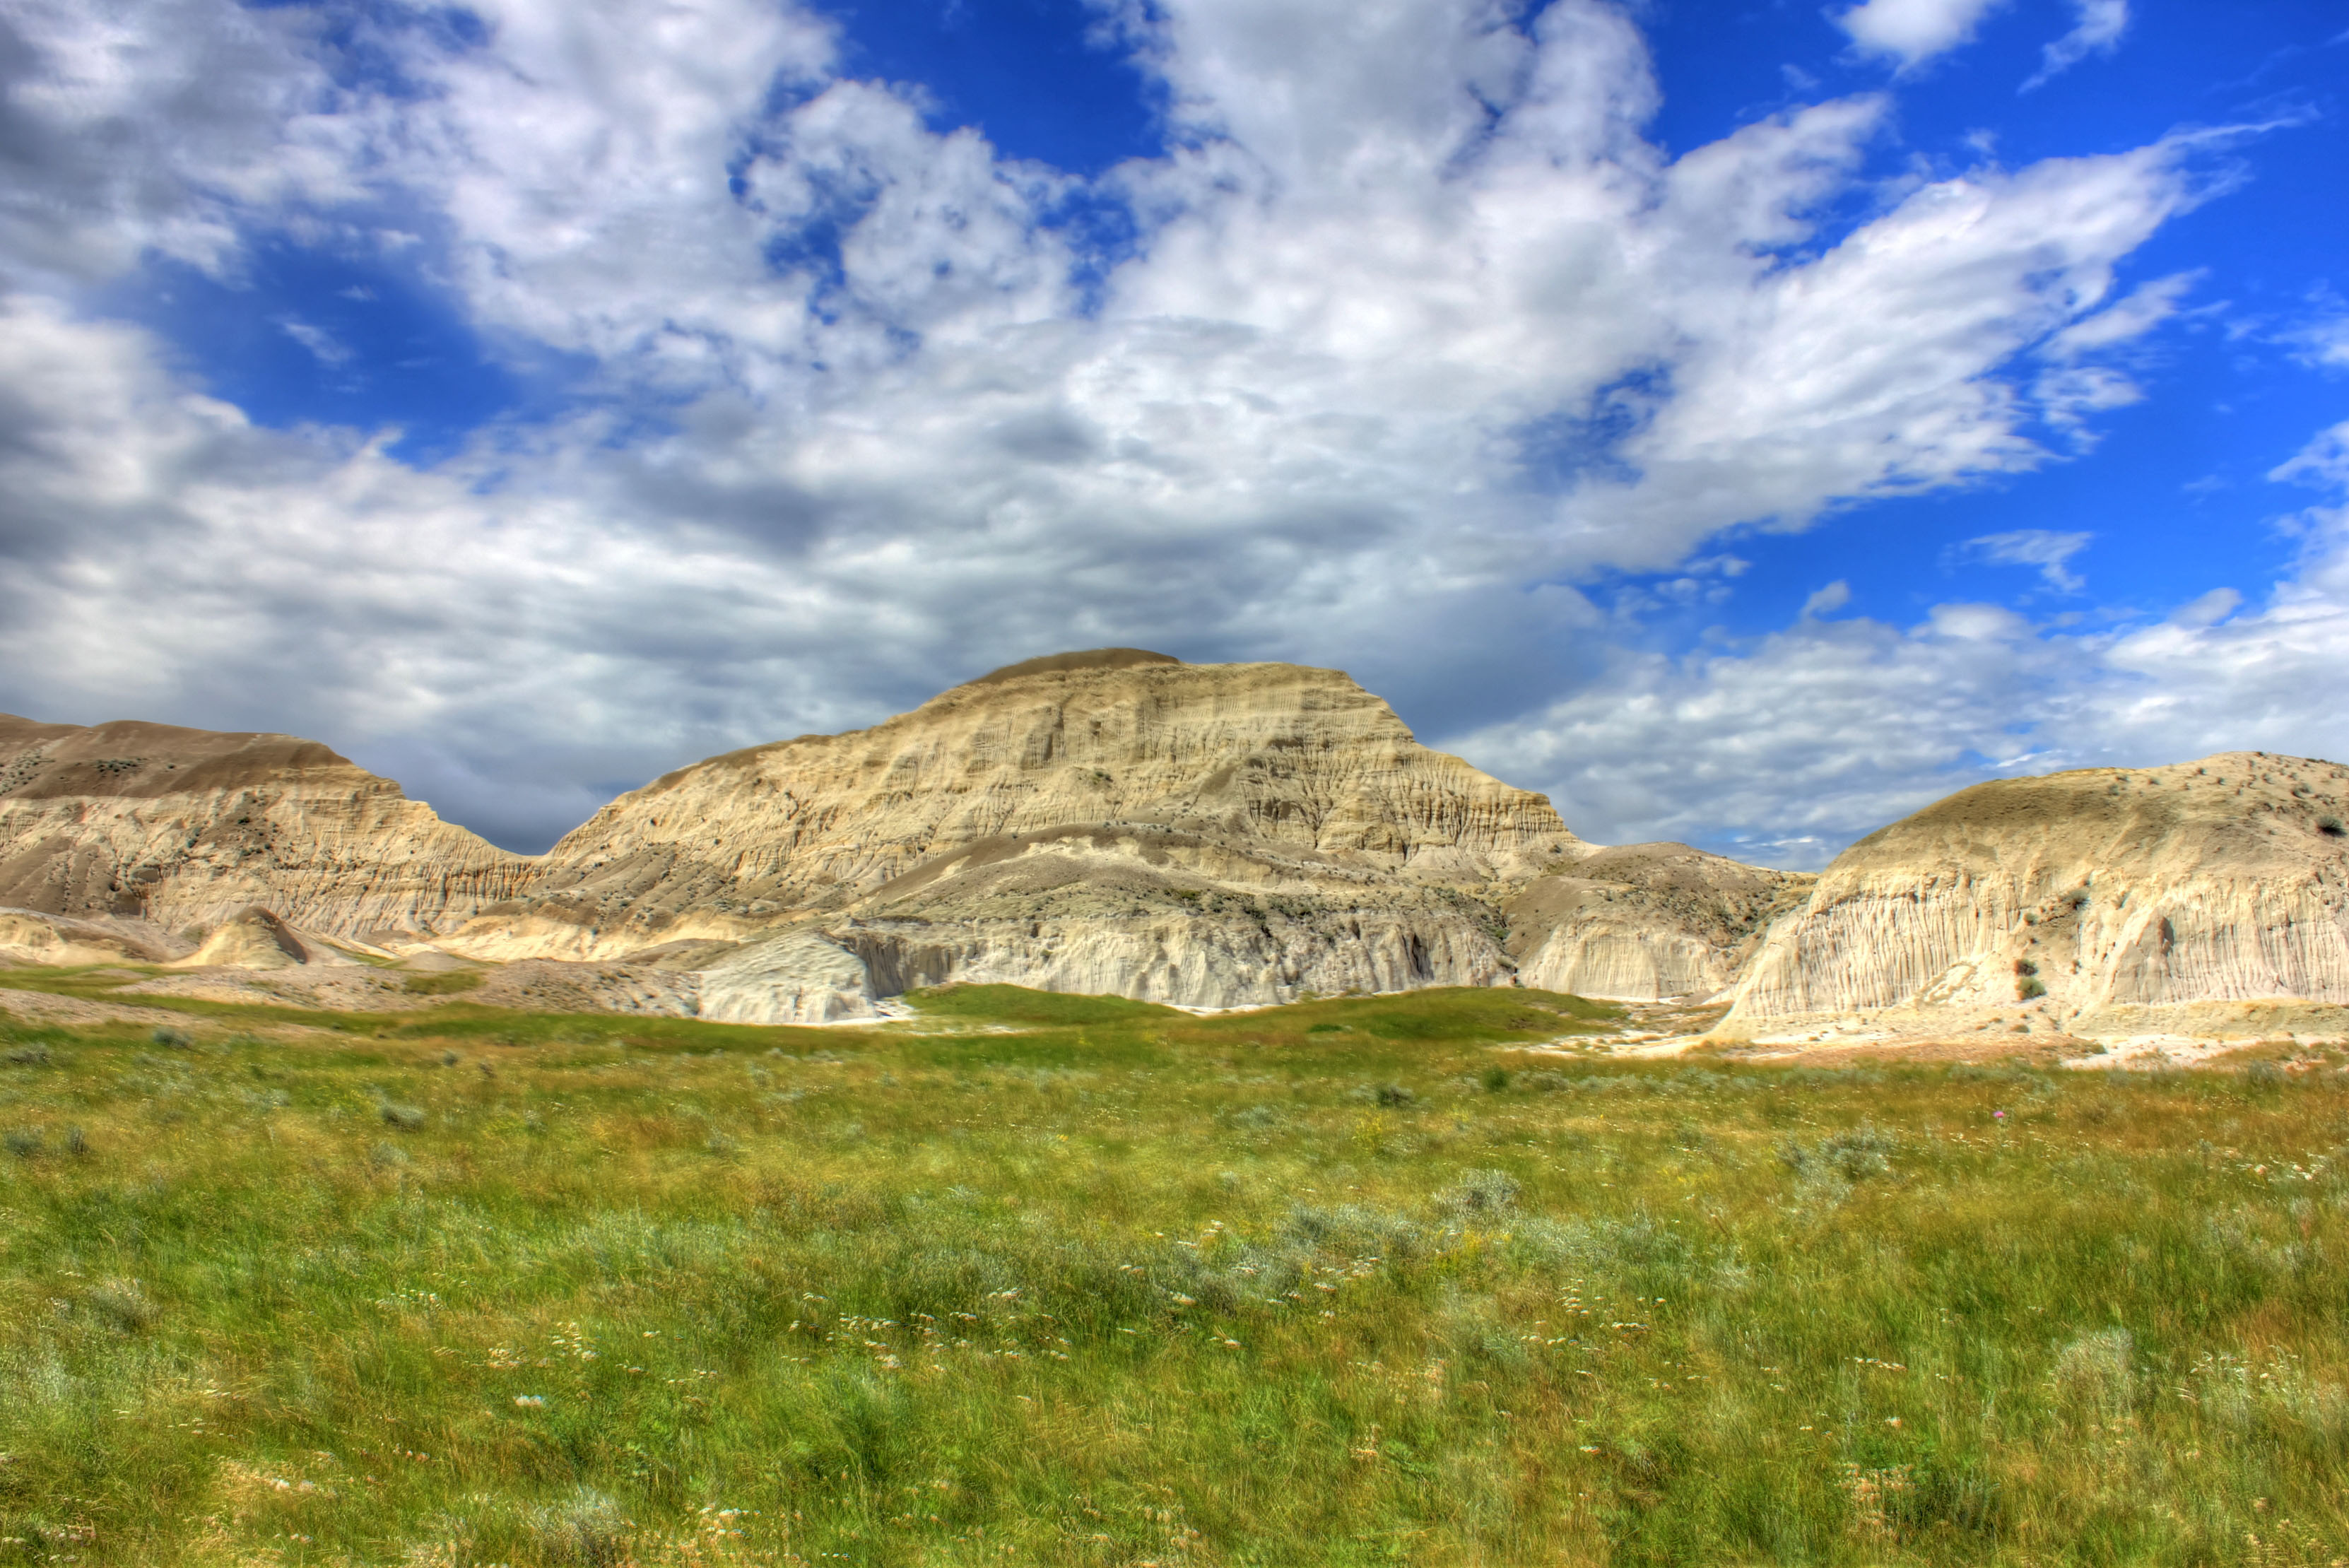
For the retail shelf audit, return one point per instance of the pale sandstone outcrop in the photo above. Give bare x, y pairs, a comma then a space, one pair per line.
1252, 758
255, 938
34, 936
1115, 822
799, 978
1112, 822
1646, 923
2221, 881
180, 828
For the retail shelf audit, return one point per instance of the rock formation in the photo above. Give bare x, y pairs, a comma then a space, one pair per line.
1112, 821
2078, 895
1646, 922
1213, 835
180, 830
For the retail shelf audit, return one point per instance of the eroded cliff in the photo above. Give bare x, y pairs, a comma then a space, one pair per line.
2219, 880
1218, 835
1116, 821
180, 830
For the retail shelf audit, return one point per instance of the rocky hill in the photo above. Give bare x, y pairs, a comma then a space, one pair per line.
2078, 897
163, 833
1109, 821
1213, 835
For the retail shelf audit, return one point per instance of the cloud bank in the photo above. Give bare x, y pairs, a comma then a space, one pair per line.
1410, 335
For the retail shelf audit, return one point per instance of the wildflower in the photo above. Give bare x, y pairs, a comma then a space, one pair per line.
530, 1402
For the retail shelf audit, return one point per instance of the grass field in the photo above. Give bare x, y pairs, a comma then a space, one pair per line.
1052, 1280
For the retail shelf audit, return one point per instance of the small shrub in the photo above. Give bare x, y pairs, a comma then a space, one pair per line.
447, 983
25, 1142
2094, 1369
2263, 1075
2025, 967
1356, 1231
1478, 1192
1854, 1154
122, 1303
36, 1055
1496, 1079
2330, 826
2030, 988
585, 1529
175, 1039
407, 1117
1394, 1094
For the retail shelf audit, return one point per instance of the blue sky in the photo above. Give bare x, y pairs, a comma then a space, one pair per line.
1743, 422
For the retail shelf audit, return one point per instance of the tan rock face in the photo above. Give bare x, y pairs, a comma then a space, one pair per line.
1122, 785
2219, 880
189, 827
1111, 822
1646, 923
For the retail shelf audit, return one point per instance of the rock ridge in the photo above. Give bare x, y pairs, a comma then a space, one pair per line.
2078, 895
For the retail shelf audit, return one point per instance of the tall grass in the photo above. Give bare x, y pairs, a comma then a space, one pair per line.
1039, 1280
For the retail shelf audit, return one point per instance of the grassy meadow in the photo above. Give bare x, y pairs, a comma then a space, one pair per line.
1065, 1281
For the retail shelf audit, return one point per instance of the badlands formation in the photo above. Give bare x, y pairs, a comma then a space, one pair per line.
1216, 835
1114, 821
2102, 903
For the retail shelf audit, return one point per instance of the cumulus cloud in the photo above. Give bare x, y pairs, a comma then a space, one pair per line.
2322, 339
136, 126
1914, 31
1788, 747
1827, 599
1411, 329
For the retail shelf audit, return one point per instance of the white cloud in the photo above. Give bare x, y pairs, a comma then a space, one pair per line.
1790, 747
323, 345
2322, 339
130, 126
1914, 31
2048, 551
1827, 599
2324, 462
2097, 32
1416, 326
2145, 308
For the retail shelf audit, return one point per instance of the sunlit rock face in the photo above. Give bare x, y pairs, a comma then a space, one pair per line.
179, 830
1112, 822
1646, 922
1115, 822
2218, 881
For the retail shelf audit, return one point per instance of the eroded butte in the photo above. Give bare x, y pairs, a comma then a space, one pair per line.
1207, 835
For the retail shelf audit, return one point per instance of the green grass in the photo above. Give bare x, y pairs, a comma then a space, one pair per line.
1050, 1279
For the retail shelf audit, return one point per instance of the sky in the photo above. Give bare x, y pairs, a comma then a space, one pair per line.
1743, 422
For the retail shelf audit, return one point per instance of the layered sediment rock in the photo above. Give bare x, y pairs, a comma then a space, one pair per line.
2221, 881
1115, 822
1646, 923
180, 830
